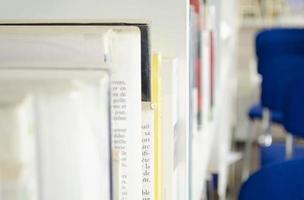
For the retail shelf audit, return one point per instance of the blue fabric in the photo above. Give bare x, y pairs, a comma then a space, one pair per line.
256, 113
280, 55
274, 42
281, 181
279, 51
294, 108
276, 153
277, 80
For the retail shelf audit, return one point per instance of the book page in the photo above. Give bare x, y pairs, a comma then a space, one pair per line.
148, 150
126, 112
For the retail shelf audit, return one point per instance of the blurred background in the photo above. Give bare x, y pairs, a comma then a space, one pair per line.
256, 16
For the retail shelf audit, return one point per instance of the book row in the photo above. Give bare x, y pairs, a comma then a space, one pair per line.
91, 112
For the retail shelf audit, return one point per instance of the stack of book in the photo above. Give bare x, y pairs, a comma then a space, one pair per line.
109, 108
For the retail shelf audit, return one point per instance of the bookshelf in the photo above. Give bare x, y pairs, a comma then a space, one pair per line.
194, 150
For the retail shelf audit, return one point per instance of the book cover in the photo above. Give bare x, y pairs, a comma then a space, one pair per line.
156, 100
115, 48
169, 103
145, 62
57, 134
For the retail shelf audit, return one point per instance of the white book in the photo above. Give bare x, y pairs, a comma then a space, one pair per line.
126, 111
74, 154
90, 47
148, 149
17, 141
57, 129
169, 123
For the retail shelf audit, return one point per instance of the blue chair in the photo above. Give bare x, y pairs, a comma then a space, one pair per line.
281, 181
286, 69
288, 87
267, 45
278, 75
294, 113
256, 113
277, 153
270, 44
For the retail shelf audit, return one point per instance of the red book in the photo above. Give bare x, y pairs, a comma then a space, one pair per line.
197, 5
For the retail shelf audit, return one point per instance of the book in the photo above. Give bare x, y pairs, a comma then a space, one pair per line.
148, 150
60, 148
73, 150
116, 48
126, 110
169, 103
193, 90
156, 100
145, 62
16, 147
171, 40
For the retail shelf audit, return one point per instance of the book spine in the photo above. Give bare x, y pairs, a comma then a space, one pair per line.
156, 96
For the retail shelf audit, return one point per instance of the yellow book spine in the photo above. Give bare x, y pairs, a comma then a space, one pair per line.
156, 99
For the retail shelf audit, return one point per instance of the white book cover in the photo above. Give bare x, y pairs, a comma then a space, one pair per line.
148, 149
169, 121
17, 141
73, 143
90, 47
61, 123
